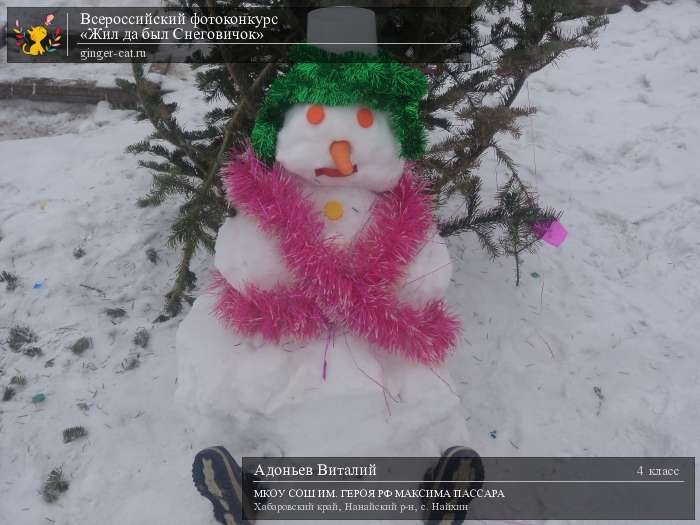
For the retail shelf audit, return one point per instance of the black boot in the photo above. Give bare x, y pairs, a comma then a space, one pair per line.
455, 464
219, 478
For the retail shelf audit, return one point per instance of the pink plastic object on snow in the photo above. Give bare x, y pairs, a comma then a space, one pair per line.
551, 232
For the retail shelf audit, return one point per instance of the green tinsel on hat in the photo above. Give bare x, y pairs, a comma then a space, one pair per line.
318, 77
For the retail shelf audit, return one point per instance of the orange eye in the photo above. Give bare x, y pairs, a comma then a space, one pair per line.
365, 118
315, 114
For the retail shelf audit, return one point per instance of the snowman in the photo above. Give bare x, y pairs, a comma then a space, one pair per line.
325, 332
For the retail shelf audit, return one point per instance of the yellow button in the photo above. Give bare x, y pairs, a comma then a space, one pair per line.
333, 210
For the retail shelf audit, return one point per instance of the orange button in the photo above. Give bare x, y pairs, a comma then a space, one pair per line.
333, 210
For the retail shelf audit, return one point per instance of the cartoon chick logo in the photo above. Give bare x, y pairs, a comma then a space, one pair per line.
37, 40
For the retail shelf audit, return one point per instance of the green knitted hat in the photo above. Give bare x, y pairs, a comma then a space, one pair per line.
318, 77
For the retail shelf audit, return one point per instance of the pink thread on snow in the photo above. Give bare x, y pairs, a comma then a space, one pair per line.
352, 286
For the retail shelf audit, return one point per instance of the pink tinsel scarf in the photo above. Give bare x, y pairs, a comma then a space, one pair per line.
351, 286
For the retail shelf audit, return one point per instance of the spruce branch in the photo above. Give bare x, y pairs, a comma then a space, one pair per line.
73, 433
8, 393
525, 38
191, 159
54, 485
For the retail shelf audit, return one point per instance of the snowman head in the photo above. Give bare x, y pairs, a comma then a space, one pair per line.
340, 146
347, 119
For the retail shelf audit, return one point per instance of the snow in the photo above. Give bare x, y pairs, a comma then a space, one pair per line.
33, 120
614, 145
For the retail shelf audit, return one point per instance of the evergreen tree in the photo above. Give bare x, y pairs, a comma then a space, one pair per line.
481, 94
479, 91
190, 162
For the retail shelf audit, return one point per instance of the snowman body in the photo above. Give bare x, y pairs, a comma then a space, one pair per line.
335, 395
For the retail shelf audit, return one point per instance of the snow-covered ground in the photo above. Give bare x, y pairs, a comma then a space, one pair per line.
595, 353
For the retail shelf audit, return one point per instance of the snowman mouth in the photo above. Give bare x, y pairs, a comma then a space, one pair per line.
332, 172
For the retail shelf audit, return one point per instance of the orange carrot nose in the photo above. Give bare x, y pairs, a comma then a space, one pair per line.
340, 152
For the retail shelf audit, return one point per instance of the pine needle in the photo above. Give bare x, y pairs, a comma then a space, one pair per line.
20, 336
142, 337
115, 313
18, 380
10, 280
32, 351
81, 345
54, 485
73, 433
130, 363
8, 394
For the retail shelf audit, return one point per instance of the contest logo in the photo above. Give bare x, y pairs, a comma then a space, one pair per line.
40, 39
